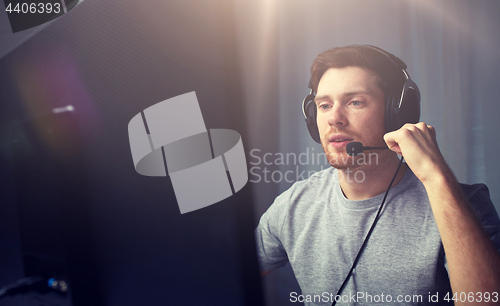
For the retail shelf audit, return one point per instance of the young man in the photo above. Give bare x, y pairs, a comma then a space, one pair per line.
436, 241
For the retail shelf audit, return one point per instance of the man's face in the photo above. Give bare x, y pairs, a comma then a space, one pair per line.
350, 107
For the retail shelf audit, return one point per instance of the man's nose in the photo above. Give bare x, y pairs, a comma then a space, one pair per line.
337, 116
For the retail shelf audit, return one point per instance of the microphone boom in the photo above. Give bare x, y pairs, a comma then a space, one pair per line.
355, 148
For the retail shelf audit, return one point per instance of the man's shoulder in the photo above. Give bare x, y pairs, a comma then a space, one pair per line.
479, 197
291, 208
471, 190
306, 190
318, 181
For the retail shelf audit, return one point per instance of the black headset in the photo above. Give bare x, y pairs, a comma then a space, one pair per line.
402, 105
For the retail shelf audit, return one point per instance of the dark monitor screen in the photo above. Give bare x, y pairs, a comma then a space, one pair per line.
85, 214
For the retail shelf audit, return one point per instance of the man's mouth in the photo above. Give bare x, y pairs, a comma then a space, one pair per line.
338, 141
342, 140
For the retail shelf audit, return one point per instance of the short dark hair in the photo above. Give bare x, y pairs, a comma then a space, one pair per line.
388, 74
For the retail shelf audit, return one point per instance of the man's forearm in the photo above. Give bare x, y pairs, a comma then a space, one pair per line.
473, 261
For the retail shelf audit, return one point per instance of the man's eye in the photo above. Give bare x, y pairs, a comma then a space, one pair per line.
356, 103
324, 106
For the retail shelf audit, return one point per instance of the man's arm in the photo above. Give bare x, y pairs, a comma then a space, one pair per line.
473, 261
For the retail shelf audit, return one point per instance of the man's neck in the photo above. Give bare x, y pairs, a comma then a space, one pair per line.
366, 182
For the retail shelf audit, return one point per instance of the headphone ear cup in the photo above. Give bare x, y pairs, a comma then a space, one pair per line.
400, 111
391, 106
409, 111
312, 126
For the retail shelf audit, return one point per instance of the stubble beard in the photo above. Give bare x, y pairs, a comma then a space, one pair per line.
338, 159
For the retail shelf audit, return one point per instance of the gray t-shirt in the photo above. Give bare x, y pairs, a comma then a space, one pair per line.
314, 227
